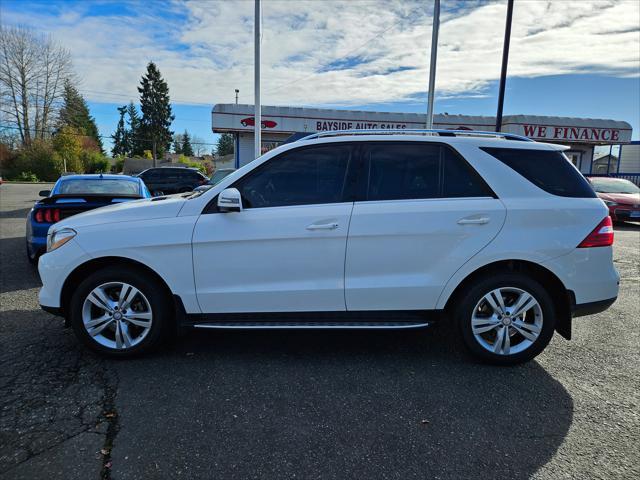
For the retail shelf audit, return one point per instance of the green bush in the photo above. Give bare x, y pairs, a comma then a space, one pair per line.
119, 165
39, 159
27, 177
185, 161
94, 162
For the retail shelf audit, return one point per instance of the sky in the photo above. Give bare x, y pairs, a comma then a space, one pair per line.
568, 58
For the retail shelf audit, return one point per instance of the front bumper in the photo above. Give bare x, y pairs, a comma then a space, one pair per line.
54, 269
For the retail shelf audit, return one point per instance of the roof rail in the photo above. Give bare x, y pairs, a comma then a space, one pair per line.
408, 131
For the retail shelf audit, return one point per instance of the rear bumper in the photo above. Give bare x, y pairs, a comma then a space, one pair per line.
591, 308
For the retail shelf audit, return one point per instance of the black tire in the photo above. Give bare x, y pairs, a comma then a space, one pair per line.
468, 300
155, 293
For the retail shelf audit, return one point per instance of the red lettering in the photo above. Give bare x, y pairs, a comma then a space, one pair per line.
557, 131
595, 134
615, 135
606, 135
584, 135
529, 130
542, 132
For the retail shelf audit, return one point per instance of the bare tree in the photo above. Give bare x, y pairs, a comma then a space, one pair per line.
199, 147
32, 73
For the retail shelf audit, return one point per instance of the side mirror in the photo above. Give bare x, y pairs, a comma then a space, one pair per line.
44, 193
230, 200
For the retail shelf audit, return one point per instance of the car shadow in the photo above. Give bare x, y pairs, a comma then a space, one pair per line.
376, 404
20, 213
631, 226
16, 272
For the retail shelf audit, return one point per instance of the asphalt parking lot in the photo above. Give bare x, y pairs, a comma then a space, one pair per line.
307, 404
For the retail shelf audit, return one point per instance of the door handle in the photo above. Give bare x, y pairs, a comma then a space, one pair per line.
473, 221
322, 226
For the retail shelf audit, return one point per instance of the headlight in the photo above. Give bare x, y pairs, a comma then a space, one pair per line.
57, 238
610, 204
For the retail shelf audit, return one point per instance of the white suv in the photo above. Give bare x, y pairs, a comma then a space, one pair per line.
369, 230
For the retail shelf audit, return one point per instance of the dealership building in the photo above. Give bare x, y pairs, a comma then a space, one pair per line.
582, 135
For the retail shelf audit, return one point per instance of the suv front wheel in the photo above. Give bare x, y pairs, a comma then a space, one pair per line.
119, 311
506, 318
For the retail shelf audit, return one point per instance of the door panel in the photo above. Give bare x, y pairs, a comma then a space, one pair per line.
279, 259
401, 253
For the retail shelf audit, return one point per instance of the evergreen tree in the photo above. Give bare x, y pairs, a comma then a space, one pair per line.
75, 113
120, 144
177, 144
187, 149
134, 144
225, 144
156, 110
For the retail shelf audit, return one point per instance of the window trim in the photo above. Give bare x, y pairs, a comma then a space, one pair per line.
362, 189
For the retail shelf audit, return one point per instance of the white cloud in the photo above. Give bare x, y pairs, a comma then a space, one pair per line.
380, 48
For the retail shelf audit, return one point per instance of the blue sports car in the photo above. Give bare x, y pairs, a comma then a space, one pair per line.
74, 194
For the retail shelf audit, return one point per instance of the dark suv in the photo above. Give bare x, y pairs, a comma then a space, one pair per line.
169, 180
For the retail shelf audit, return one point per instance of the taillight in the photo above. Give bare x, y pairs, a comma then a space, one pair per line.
601, 236
47, 215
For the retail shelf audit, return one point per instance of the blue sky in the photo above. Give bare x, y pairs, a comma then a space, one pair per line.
568, 58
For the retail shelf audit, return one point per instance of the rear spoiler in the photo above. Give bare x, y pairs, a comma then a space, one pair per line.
87, 198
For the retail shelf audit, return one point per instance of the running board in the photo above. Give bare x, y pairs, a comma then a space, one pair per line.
311, 325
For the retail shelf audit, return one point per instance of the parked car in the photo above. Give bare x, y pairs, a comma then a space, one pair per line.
169, 180
500, 235
73, 194
218, 175
620, 195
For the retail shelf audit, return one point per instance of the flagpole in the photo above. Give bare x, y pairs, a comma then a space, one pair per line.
505, 61
432, 65
256, 62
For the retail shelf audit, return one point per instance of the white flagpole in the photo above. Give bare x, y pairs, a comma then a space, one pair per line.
258, 112
432, 65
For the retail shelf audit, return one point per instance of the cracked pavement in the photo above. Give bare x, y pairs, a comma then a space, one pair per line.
306, 404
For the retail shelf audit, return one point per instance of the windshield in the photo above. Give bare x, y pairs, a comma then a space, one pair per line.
607, 185
82, 186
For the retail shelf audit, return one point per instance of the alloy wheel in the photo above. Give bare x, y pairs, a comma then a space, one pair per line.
507, 320
117, 315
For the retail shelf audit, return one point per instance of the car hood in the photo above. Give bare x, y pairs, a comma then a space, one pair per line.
146, 209
623, 198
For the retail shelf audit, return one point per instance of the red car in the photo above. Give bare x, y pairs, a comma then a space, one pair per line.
621, 196
251, 121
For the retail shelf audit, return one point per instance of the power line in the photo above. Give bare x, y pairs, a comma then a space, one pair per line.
53, 132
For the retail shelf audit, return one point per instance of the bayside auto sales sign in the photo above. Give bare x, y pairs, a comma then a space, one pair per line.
330, 126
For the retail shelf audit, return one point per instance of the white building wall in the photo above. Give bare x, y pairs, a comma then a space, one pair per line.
630, 158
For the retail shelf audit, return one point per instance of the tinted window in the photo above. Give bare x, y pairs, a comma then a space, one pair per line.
419, 170
300, 177
549, 170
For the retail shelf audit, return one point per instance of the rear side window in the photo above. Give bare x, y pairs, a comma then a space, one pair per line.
548, 170
403, 171
304, 176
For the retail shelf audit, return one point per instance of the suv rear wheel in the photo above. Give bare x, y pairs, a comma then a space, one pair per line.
120, 312
506, 318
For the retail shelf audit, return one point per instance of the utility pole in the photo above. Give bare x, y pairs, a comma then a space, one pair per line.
256, 81
155, 163
432, 65
505, 61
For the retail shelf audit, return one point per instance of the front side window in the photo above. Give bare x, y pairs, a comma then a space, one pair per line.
403, 171
303, 176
